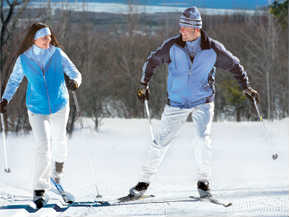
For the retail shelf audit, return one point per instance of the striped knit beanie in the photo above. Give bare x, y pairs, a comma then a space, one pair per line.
191, 17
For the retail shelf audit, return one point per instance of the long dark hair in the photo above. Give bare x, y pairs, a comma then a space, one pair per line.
28, 40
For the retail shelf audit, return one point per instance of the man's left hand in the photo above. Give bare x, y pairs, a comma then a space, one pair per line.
3, 105
251, 94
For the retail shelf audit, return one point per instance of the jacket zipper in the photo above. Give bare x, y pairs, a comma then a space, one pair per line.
45, 84
190, 64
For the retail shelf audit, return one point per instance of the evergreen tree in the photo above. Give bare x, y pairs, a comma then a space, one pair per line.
234, 96
280, 12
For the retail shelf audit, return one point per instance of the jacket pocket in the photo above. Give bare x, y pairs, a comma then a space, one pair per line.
178, 84
180, 62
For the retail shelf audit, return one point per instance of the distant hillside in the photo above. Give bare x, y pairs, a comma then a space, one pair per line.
219, 4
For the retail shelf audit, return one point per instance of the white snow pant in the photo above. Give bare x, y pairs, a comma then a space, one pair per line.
173, 118
47, 130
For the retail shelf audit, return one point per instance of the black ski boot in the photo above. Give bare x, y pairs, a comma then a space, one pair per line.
204, 188
135, 193
40, 198
138, 190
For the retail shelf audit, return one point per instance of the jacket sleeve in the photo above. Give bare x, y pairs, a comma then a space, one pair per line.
156, 58
69, 68
227, 61
14, 81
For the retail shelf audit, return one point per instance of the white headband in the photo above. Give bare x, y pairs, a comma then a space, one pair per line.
42, 32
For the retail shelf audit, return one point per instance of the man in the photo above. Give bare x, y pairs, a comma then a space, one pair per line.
191, 57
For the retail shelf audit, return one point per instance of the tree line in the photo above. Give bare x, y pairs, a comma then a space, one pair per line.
110, 50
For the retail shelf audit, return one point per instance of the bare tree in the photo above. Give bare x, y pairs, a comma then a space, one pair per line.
8, 21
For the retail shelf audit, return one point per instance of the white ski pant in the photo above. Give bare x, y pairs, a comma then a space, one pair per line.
47, 130
172, 120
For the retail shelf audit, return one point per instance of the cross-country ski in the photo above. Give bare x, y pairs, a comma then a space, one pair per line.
125, 201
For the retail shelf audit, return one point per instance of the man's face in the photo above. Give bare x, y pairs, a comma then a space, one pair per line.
189, 33
43, 42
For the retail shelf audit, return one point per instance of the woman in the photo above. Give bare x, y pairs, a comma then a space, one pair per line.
43, 63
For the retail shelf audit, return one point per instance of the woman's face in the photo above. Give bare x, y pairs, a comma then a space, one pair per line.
43, 42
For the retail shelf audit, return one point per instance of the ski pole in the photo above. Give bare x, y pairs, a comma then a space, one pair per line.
92, 167
76, 103
275, 155
6, 169
257, 110
149, 119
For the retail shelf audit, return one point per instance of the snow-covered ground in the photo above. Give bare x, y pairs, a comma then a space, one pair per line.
243, 170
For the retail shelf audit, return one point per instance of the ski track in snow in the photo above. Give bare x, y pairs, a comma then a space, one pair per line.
109, 161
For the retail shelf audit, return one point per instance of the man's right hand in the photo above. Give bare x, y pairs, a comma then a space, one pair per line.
3, 105
143, 93
72, 85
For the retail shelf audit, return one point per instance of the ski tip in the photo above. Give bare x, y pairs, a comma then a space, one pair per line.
130, 197
70, 202
125, 198
228, 204
52, 181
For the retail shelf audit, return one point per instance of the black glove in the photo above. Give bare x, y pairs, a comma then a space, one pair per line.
143, 93
3, 105
72, 85
251, 94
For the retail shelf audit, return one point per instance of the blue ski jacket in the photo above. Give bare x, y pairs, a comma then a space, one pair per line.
191, 78
46, 89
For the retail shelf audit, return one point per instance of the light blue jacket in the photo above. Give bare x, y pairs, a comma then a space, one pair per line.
46, 89
191, 77
187, 83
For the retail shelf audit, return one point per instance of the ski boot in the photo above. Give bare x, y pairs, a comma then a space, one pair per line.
135, 193
40, 198
139, 190
204, 188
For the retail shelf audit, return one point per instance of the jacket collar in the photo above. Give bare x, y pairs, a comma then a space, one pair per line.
205, 42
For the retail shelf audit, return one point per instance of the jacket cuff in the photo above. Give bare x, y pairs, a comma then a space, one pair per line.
5, 101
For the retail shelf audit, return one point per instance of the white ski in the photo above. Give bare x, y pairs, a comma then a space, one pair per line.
212, 200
